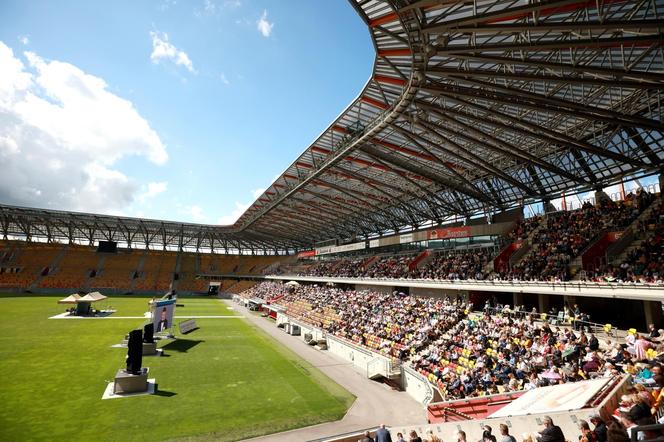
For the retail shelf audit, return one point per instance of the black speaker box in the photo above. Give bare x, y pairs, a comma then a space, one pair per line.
148, 333
135, 351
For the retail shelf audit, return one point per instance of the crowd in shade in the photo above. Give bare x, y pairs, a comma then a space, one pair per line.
468, 354
556, 239
451, 265
564, 235
469, 265
524, 227
643, 264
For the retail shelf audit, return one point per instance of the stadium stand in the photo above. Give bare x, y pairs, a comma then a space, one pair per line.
23, 263
73, 270
566, 234
157, 272
116, 270
641, 261
541, 248
463, 354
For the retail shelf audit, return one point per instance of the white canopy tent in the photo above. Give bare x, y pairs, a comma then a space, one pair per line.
71, 299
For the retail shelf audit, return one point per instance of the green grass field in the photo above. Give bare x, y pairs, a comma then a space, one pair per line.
226, 381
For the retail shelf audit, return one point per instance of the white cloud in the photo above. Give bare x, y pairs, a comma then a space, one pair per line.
224, 79
196, 213
234, 215
257, 193
24, 39
263, 25
61, 132
162, 49
153, 189
239, 209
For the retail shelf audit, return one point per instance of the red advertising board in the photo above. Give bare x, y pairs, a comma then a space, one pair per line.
449, 232
306, 254
615, 236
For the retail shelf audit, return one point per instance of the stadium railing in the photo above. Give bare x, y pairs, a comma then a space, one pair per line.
636, 291
560, 319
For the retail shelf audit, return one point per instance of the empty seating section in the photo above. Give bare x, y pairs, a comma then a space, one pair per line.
235, 264
21, 263
73, 270
82, 268
118, 270
157, 272
189, 268
240, 286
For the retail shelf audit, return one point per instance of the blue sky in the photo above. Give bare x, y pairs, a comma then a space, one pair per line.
178, 110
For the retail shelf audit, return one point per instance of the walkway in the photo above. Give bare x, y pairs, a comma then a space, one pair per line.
375, 404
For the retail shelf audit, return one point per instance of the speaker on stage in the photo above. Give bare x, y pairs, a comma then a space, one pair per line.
135, 351
148, 333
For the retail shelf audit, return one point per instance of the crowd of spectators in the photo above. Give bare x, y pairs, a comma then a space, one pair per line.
524, 227
455, 265
382, 267
644, 264
565, 234
469, 265
556, 240
468, 354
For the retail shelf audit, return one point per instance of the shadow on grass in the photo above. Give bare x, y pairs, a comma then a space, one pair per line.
181, 345
164, 393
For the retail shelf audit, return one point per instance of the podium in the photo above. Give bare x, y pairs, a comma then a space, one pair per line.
131, 383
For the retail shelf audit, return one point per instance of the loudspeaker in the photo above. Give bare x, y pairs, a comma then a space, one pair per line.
148, 333
213, 290
135, 351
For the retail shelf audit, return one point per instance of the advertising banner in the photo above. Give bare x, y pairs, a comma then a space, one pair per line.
450, 232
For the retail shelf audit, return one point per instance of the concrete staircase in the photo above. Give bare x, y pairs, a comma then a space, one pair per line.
526, 247
139, 269
99, 268
178, 266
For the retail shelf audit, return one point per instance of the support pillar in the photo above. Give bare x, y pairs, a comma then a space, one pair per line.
517, 299
543, 302
569, 301
653, 311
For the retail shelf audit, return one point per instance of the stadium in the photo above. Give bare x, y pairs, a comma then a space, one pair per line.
471, 249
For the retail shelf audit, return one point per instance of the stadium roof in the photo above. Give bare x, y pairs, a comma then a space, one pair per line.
473, 107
